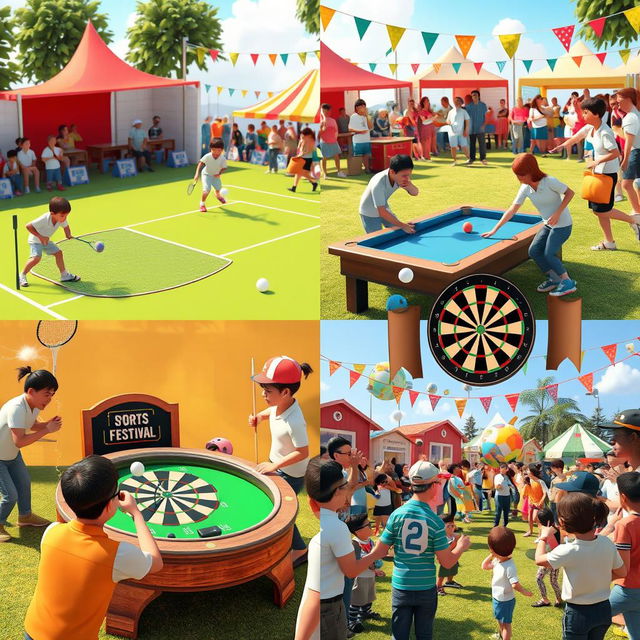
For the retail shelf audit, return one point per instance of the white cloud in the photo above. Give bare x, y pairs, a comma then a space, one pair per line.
14, 4
131, 19
120, 47
507, 26
620, 379
423, 408
324, 386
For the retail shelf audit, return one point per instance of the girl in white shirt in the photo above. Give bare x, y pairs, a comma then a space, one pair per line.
27, 161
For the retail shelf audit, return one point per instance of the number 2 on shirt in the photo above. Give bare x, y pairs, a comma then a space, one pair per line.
415, 536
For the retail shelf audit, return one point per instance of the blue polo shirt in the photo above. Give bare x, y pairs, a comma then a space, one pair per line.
476, 112
416, 533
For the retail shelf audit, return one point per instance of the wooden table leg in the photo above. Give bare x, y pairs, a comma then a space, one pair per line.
357, 295
126, 607
283, 580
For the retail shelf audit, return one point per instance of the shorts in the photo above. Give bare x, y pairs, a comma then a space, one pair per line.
383, 511
450, 572
371, 223
210, 182
598, 207
38, 249
633, 168
330, 149
458, 140
503, 610
54, 175
307, 164
539, 133
361, 148
364, 591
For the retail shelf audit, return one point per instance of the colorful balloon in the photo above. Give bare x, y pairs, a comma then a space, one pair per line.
381, 387
500, 443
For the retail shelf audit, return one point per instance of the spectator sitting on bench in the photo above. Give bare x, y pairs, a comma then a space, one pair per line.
251, 142
74, 136
27, 161
11, 170
155, 132
139, 145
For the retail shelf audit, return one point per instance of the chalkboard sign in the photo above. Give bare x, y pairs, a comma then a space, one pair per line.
130, 421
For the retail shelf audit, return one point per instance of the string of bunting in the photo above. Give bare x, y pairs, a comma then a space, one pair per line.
232, 90
215, 54
510, 42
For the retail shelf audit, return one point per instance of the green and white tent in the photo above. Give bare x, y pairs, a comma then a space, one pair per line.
574, 443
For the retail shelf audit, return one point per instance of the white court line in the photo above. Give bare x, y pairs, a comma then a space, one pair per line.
33, 303
55, 304
177, 244
264, 206
259, 244
269, 193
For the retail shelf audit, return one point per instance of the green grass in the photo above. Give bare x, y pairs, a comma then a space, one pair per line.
607, 281
264, 229
244, 611
467, 613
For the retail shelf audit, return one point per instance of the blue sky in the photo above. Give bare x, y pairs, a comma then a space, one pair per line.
365, 341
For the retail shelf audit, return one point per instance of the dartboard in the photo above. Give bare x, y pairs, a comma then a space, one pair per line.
172, 497
481, 329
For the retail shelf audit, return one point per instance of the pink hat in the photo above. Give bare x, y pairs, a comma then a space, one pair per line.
279, 370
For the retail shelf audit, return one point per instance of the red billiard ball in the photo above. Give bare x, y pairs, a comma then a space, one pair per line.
467, 227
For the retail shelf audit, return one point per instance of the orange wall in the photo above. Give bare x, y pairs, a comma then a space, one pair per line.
203, 366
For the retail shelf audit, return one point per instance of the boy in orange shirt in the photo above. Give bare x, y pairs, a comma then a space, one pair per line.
79, 564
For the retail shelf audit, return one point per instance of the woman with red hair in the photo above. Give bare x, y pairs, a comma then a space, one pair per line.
550, 197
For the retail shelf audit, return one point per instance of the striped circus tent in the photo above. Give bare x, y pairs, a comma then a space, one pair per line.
575, 443
298, 103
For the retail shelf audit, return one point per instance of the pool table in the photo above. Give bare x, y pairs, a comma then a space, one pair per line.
438, 253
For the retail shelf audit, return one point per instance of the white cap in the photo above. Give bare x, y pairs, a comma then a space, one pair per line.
136, 122
422, 472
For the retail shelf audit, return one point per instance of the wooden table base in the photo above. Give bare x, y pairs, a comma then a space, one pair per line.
126, 607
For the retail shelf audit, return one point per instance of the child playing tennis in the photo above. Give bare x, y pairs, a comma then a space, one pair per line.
550, 197
40, 231
212, 165
79, 564
289, 455
17, 416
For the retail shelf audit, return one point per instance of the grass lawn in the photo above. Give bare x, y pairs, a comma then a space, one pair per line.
264, 230
607, 281
467, 613
244, 611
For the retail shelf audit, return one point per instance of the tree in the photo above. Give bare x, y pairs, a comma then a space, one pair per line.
469, 430
617, 30
48, 33
8, 69
155, 40
595, 421
308, 12
548, 419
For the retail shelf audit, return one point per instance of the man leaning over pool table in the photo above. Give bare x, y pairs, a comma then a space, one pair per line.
374, 209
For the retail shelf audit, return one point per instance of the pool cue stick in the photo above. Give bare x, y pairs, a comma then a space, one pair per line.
253, 389
15, 243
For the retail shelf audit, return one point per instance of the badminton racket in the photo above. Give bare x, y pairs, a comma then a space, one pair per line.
191, 186
55, 333
96, 246
255, 431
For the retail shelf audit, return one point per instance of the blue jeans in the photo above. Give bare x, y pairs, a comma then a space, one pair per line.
410, 608
54, 175
16, 182
15, 486
586, 621
627, 602
296, 484
503, 504
477, 489
273, 159
546, 245
346, 594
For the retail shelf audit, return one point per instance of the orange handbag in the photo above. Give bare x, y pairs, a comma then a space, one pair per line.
596, 187
295, 166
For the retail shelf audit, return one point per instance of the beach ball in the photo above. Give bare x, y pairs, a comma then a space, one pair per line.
380, 386
500, 443
432, 388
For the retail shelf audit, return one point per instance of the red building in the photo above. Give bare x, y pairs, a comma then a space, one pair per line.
441, 440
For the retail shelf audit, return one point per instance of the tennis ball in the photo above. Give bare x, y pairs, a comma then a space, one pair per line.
405, 275
137, 468
99, 247
262, 285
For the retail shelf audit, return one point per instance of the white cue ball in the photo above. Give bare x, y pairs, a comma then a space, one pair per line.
262, 285
405, 275
137, 468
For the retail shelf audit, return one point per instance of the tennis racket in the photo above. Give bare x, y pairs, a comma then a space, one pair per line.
96, 246
55, 333
191, 186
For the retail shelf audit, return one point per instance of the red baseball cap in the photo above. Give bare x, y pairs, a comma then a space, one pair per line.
279, 370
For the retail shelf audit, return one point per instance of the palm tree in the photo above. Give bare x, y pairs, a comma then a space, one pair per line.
548, 419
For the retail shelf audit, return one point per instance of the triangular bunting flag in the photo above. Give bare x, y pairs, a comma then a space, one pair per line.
436, 67
434, 401
464, 43
325, 16
456, 66
395, 34
273, 57
552, 63
303, 57
633, 16
429, 40
317, 54
333, 367
486, 403
257, 94
597, 25
200, 53
525, 366
397, 393
512, 399
413, 396
461, 403
244, 92
393, 68
601, 56
372, 66
270, 94
510, 43
388, 52
587, 381
219, 90
552, 390
414, 68
231, 91
207, 87
254, 57
353, 378
624, 55
610, 352
361, 25
478, 66
577, 59
527, 64
501, 64
214, 54
284, 57
359, 367
564, 34
234, 58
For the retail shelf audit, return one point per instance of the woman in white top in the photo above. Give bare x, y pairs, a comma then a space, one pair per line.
16, 417
538, 114
628, 101
550, 197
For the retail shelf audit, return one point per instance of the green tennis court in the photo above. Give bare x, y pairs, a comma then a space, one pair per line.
192, 265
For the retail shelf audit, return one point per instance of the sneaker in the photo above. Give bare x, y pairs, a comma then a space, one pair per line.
203, 209
341, 174
17, 193
356, 627
547, 285
292, 189
32, 520
469, 161
38, 190
441, 591
49, 187
4, 535
604, 246
61, 188
28, 190
619, 197
23, 280
565, 287
69, 277
453, 584
221, 200
315, 186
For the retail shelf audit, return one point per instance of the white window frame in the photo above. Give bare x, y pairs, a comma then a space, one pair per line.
442, 445
348, 435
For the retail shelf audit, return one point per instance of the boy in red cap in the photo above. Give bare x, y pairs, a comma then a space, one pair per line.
289, 455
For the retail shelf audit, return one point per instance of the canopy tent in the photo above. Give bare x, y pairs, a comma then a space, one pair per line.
566, 74
575, 443
340, 77
300, 102
89, 93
